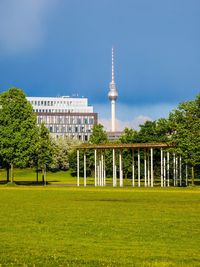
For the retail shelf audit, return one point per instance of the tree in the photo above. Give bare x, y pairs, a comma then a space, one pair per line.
98, 135
62, 147
185, 127
18, 129
44, 149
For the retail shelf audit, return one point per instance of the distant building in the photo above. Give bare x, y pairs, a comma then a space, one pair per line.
65, 116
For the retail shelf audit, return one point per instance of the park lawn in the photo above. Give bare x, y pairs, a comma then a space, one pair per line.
68, 226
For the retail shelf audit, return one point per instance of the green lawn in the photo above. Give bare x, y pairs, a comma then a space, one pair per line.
56, 226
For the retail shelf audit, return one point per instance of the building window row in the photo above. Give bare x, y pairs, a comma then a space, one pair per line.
58, 103
66, 120
68, 129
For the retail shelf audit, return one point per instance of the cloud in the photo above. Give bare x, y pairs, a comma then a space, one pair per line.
131, 116
121, 125
22, 24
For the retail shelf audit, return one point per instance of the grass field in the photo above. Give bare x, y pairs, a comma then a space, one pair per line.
56, 226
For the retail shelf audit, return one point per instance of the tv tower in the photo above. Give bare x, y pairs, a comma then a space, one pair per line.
113, 94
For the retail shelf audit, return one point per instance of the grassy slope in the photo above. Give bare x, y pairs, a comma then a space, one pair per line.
99, 227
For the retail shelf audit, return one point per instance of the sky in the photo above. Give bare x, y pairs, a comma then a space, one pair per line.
63, 47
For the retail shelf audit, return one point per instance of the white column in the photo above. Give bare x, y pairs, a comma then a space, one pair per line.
113, 115
133, 168
161, 166
84, 169
180, 170
174, 168
78, 176
168, 169
148, 168
102, 170
100, 174
164, 170
138, 167
114, 175
95, 167
152, 178
176, 171
145, 168
120, 169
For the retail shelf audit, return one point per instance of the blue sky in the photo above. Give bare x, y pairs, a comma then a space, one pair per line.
63, 47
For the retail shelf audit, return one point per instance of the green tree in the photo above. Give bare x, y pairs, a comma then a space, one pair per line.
185, 128
18, 129
44, 150
98, 135
62, 147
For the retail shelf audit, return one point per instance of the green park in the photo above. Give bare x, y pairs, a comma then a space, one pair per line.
47, 220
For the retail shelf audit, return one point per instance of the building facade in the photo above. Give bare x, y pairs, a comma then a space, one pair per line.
65, 116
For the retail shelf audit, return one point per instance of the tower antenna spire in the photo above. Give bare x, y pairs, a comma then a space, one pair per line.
113, 66
113, 94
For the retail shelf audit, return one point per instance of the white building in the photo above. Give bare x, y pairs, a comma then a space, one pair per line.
71, 116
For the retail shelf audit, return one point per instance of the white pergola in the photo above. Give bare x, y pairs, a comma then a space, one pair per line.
148, 151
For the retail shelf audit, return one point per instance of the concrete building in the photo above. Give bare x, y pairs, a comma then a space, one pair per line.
65, 116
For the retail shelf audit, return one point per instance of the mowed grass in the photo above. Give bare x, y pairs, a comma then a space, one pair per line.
99, 226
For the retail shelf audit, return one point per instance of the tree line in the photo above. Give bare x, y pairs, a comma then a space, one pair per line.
25, 144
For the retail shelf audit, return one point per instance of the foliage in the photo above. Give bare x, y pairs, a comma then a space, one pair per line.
185, 125
98, 135
18, 130
62, 147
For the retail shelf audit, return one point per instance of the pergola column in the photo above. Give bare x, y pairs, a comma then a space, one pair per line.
95, 167
133, 168
145, 168
114, 169
168, 168
148, 169
161, 166
120, 169
84, 168
164, 169
152, 178
174, 168
138, 167
78, 176
180, 170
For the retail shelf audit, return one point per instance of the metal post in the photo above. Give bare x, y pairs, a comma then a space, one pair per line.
84, 169
176, 171
138, 167
78, 175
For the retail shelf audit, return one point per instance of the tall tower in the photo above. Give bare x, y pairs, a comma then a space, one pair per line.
113, 94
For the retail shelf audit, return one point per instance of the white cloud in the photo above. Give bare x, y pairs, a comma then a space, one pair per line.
22, 24
121, 125
131, 116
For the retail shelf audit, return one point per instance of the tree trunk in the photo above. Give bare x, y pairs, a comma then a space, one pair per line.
37, 174
43, 175
8, 172
192, 175
12, 172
